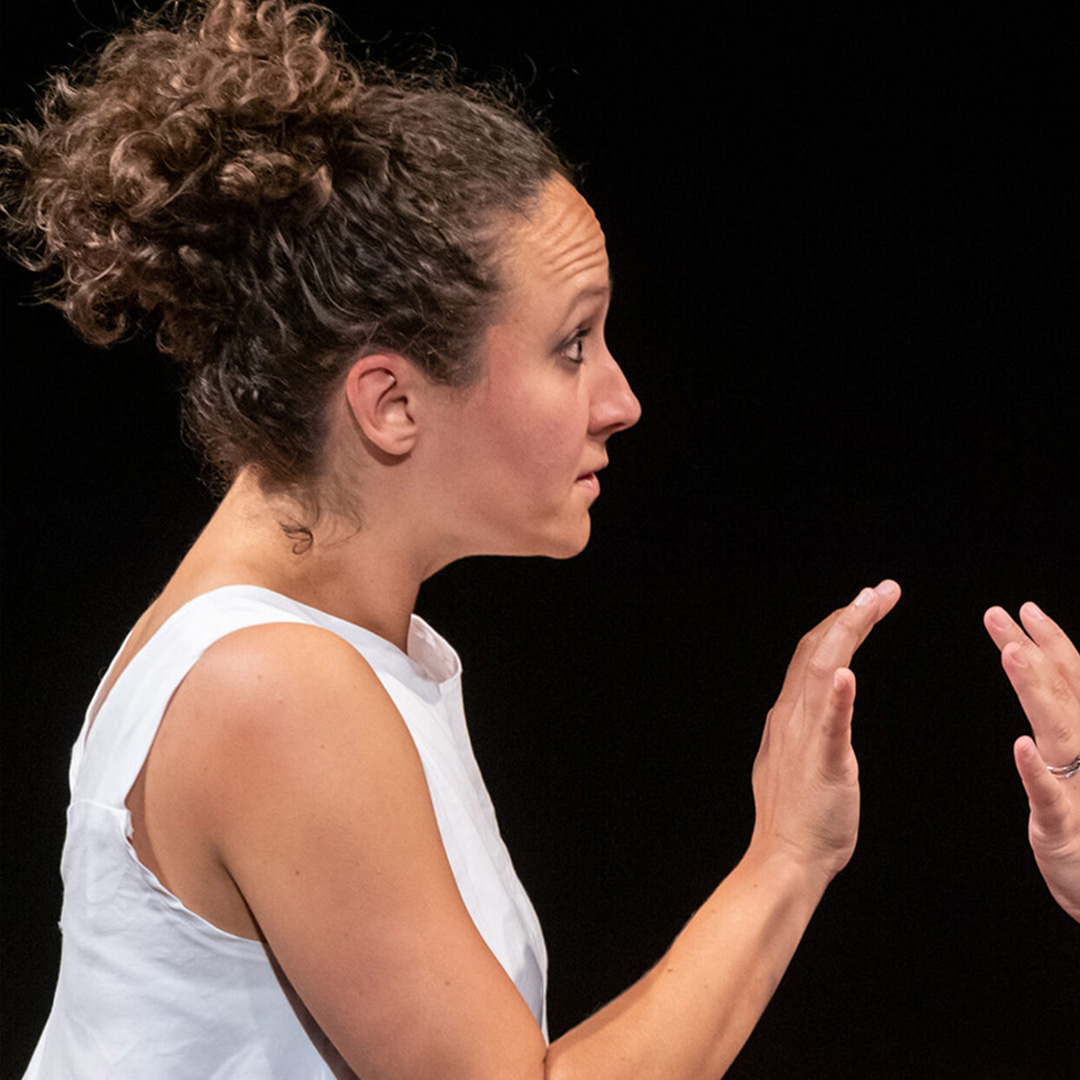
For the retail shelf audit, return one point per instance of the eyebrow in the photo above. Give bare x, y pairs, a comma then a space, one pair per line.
589, 291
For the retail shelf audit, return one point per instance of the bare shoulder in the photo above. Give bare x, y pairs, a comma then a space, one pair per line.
280, 678
283, 708
288, 705
277, 656
310, 795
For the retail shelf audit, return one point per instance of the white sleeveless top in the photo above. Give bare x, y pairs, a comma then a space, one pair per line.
149, 989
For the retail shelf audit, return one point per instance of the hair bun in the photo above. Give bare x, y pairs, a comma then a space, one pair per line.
258, 176
273, 207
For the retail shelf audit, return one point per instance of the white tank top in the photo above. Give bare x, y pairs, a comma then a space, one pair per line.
149, 989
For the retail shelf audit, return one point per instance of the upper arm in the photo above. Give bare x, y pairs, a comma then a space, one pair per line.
311, 793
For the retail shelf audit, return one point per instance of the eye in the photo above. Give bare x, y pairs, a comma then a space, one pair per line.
573, 350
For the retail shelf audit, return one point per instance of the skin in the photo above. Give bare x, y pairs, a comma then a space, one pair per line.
519, 453
1044, 668
283, 799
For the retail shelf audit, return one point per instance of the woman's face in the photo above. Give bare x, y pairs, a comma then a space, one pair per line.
519, 450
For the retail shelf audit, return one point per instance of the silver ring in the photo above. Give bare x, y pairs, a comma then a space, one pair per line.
1065, 772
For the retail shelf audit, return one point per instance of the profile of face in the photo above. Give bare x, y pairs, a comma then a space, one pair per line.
521, 447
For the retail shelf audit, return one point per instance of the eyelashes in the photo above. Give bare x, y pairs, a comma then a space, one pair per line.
573, 350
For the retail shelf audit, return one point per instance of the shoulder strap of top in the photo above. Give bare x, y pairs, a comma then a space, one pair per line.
108, 757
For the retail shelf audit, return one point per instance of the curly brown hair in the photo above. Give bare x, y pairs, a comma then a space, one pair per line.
273, 207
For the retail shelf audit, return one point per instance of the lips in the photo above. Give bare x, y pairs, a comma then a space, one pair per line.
589, 482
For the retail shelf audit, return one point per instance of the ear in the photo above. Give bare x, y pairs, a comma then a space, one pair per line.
382, 390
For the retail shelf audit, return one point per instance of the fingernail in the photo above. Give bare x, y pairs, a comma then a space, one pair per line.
1033, 609
887, 588
865, 598
998, 618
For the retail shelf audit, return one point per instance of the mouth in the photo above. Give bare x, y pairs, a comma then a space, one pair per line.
588, 482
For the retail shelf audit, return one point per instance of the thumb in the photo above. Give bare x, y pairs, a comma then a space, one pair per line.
837, 726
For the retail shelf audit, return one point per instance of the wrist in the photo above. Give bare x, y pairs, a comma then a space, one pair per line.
780, 868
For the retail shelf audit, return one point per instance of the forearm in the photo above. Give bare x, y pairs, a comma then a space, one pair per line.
689, 1016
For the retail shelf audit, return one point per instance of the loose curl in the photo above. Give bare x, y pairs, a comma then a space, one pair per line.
273, 208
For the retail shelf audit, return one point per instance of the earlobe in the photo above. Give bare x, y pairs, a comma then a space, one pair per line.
380, 390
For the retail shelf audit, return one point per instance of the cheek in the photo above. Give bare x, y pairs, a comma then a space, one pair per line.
547, 444
531, 418
539, 427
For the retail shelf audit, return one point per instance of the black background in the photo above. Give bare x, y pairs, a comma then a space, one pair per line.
846, 257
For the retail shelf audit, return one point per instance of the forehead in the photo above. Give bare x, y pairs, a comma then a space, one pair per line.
558, 245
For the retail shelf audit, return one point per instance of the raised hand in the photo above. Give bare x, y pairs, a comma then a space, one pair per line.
806, 777
1044, 669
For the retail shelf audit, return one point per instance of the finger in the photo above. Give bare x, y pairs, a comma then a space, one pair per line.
887, 593
836, 756
796, 671
1054, 643
1050, 810
1052, 708
838, 645
1002, 628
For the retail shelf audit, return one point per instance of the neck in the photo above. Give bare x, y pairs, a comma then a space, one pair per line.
369, 576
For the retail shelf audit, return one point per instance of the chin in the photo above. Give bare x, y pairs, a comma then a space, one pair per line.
561, 540
567, 546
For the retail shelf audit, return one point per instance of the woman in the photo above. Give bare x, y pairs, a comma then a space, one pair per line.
1044, 669
389, 300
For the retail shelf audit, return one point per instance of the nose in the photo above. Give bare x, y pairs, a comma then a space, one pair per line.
614, 405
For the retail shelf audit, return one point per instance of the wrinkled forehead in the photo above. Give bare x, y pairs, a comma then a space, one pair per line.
558, 242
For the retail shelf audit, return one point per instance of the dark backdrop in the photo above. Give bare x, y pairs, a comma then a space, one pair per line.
846, 257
